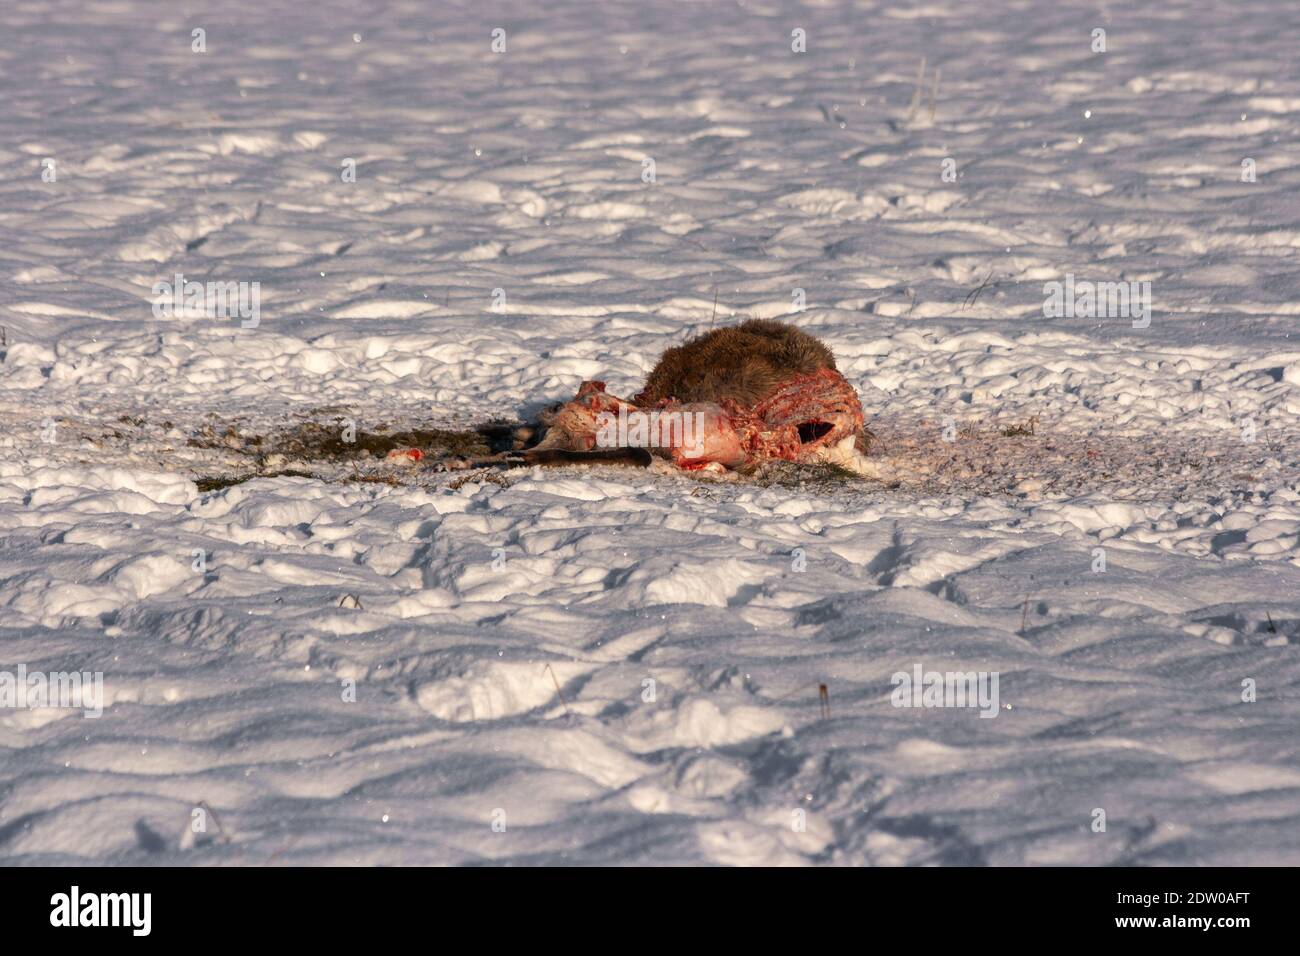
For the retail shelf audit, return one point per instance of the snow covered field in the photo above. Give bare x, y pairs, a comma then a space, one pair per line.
614, 666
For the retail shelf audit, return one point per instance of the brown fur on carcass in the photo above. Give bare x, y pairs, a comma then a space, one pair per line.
748, 365
743, 363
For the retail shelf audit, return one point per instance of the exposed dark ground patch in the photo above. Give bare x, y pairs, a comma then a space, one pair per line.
315, 441
217, 483
328, 443
913, 456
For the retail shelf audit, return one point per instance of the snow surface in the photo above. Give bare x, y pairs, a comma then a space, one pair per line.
501, 635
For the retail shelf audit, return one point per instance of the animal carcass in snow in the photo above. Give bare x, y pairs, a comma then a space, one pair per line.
728, 399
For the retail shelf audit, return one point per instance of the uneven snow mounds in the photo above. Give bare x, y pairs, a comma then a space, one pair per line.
436, 657
494, 690
47, 485
630, 667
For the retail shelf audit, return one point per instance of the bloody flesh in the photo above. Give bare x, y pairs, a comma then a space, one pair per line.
793, 421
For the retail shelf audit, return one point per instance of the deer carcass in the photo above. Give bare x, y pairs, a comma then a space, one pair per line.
728, 399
